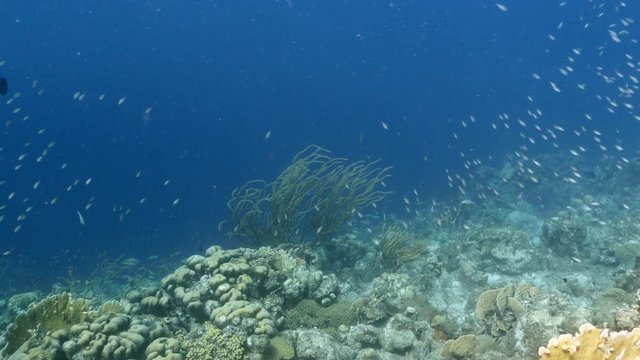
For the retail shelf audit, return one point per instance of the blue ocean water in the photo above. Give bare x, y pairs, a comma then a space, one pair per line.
137, 105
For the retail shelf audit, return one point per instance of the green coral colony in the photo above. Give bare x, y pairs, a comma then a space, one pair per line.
465, 282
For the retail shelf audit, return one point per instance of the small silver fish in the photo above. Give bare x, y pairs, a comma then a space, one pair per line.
80, 218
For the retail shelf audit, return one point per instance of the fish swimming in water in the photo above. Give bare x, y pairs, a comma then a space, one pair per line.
4, 86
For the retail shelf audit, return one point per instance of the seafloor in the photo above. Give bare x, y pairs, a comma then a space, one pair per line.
494, 277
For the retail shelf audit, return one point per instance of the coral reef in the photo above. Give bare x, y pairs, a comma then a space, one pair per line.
495, 281
228, 298
564, 235
243, 287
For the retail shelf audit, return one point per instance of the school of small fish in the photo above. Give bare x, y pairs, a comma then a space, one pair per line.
574, 132
534, 127
19, 205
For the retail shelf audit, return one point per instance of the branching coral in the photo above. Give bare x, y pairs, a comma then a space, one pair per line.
310, 200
